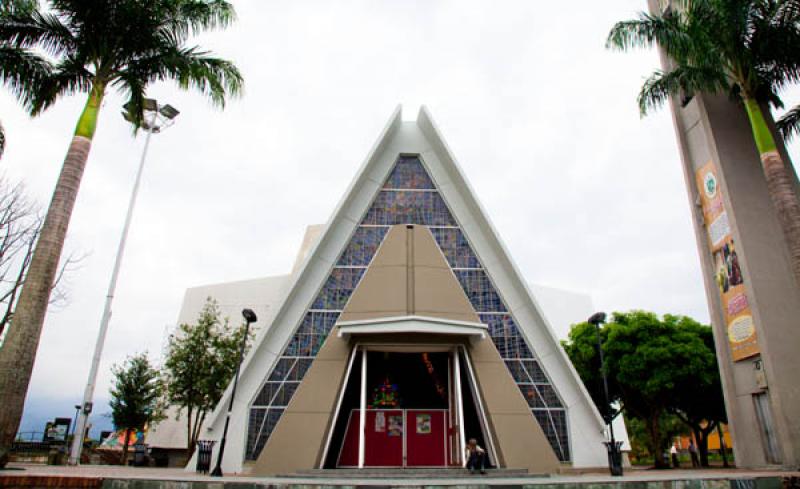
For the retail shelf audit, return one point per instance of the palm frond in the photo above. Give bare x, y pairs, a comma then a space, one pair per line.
645, 32
16, 6
203, 15
191, 68
789, 124
660, 86
23, 71
2, 140
67, 78
134, 88
28, 29
184, 17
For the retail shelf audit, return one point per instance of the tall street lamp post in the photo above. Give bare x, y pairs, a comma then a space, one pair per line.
249, 317
613, 446
156, 119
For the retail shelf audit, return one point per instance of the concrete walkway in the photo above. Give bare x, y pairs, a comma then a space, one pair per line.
118, 473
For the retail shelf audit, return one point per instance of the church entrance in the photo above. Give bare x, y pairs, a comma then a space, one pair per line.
414, 405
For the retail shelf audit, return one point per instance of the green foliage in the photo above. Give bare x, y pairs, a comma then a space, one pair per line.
642, 447
658, 369
201, 360
582, 351
80, 46
135, 396
749, 48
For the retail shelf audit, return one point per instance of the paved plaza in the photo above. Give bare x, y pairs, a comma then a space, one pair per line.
118, 473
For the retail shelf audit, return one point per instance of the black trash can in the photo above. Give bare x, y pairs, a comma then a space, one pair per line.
614, 457
204, 448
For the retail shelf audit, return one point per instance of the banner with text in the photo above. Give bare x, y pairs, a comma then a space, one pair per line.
727, 272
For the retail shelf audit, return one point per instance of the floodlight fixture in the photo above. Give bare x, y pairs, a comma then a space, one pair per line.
249, 315
597, 318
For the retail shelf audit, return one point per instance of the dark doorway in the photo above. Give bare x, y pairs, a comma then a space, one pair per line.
411, 418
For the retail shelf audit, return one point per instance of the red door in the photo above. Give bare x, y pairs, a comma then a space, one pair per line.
383, 439
426, 443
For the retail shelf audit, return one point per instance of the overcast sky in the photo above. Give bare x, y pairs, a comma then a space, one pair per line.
586, 195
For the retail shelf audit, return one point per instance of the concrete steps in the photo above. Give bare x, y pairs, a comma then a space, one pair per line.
410, 473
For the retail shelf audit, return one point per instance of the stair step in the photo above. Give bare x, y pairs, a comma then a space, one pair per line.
410, 473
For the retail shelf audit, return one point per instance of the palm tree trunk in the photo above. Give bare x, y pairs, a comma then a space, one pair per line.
779, 183
22, 339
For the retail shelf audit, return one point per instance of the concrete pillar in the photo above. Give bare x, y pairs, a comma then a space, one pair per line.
714, 130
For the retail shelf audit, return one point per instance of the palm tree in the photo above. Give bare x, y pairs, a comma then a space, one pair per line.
749, 49
96, 45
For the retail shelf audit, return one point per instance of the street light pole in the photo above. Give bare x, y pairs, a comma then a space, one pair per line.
160, 118
249, 317
613, 447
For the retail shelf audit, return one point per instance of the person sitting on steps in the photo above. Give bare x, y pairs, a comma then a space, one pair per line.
475, 456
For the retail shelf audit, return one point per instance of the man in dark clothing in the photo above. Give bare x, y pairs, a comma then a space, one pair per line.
475, 456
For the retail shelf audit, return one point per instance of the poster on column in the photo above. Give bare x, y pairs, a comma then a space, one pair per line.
727, 271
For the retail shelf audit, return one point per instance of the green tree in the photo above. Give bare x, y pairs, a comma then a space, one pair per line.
135, 397
654, 365
700, 404
581, 348
201, 360
94, 46
651, 360
749, 49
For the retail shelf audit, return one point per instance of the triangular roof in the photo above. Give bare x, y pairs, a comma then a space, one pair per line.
420, 137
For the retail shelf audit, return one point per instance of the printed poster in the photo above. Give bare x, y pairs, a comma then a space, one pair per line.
727, 271
423, 424
380, 422
395, 426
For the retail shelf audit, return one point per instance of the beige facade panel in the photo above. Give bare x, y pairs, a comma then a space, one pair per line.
518, 437
409, 276
297, 441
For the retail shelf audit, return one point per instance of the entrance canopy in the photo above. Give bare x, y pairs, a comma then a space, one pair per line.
413, 325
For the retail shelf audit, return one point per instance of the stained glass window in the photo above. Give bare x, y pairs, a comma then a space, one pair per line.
480, 291
409, 207
408, 173
455, 248
362, 246
408, 197
337, 289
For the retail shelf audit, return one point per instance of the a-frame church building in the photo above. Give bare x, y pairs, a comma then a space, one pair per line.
407, 330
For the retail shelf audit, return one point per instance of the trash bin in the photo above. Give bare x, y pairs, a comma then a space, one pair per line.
140, 455
614, 457
204, 448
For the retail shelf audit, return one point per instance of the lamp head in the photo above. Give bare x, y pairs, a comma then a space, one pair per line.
597, 318
169, 111
249, 315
